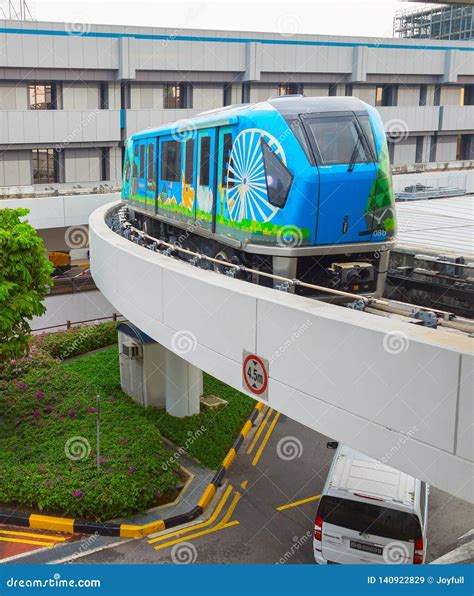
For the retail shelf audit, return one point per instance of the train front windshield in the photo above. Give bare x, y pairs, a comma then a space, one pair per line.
340, 139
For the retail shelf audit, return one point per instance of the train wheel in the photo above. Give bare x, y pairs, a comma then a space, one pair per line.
225, 257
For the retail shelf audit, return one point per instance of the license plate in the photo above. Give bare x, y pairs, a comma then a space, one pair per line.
366, 548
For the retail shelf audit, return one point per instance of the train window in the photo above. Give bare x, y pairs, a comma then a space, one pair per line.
225, 159
297, 129
336, 140
205, 166
277, 176
368, 133
127, 167
170, 161
142, 161
151, 163
189, 162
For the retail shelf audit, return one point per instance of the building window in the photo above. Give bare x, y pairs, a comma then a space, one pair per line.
103, 96
465, 147
170, 161
245, 92
423, 95
289, 89
332, 89
391, 150
348, 91
228, 94
45, 166
105, 163
433, 147
177, 96
419, 150
386, 95
467, 95
42, 96
205, 161
189, 162
437, 95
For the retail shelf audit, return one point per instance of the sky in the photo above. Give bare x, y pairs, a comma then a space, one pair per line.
327, 17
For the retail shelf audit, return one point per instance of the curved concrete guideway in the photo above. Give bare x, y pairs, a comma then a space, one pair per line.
393, 390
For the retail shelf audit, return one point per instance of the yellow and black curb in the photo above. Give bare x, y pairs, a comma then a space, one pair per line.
70, 525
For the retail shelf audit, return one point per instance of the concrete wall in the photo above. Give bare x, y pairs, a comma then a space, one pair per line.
372, 401
15, 168
446, 148
207, 97
405, 151
365, 93
262, 92
83, 306
80, 96
60, 212
316, 90
146, 97
13, 96
82, 165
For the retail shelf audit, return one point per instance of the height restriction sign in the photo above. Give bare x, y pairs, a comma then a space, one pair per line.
255, 374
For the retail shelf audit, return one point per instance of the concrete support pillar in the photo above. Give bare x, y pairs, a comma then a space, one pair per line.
155, 376
183, 386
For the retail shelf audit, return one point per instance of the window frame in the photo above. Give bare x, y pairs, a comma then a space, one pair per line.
50, 160
189, 163
165, 167
266, 148
205, 163
226, 159
307, 118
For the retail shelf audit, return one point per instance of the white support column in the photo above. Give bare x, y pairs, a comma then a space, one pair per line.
183, 386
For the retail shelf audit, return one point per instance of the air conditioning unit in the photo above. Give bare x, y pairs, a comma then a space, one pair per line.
132, 350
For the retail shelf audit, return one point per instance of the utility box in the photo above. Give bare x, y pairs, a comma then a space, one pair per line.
142, 366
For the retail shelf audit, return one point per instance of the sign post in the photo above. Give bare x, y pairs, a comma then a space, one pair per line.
255, 375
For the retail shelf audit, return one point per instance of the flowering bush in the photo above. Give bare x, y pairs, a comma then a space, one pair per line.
48, 443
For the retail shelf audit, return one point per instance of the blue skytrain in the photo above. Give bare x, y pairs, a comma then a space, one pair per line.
297, 186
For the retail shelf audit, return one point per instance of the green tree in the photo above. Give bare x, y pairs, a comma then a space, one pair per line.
25, 276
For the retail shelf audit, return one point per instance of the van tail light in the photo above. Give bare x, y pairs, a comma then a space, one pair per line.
418, 552
318, 528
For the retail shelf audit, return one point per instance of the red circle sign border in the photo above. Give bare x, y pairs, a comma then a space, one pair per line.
265, 382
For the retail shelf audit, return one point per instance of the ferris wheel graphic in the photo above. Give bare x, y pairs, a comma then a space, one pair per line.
246, 183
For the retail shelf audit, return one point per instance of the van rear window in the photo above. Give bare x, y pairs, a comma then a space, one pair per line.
369, 519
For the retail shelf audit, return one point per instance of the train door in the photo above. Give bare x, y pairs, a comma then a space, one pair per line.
169, 177
151, 181
346, 174
205, 178
223, 181
142, 173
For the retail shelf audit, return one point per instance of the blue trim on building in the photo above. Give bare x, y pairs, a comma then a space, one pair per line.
301, 42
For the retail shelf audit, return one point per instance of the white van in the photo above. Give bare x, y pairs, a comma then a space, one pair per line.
370, 513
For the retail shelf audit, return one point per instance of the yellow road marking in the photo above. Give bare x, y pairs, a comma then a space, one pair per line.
31, 535
197, 535
21, 541
265, 440
210, 521
296, 503
259, 431
220, 526
244, 484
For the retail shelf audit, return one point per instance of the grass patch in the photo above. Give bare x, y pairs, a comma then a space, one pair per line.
219, 428
55, 404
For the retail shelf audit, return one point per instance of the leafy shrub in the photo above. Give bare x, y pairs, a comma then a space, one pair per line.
25, 277
50, 413
78, 340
